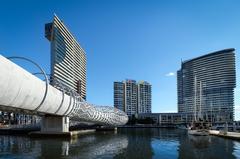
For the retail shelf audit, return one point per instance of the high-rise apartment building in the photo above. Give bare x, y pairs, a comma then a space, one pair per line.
206, 86
68, 59
144, 97
132, 97
119, 88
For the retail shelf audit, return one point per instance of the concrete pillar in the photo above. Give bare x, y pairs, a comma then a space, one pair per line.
58, 124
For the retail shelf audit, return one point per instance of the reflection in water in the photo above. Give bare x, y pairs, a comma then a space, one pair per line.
89, 146
100, 145
18, 147
202, 147
127, 143
139, 144
165, 143
166, 148
236, 147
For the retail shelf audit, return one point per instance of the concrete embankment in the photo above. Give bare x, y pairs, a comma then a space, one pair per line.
36, 132
230, 135
69, 134
17, 131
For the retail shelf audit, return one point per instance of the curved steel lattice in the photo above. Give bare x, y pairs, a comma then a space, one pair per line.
27, 94
98, 114
85, 112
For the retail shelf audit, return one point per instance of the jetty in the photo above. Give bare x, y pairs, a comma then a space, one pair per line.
225, 134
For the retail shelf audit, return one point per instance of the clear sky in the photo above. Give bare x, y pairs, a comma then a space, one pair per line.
141, 40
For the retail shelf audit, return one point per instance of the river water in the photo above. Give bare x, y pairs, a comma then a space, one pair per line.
139, 143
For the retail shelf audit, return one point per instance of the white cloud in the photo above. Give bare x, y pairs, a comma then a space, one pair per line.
170, 74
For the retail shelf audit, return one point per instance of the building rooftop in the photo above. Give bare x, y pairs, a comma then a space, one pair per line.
210, 54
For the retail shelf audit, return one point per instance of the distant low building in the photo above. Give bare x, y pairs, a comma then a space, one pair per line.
168, 118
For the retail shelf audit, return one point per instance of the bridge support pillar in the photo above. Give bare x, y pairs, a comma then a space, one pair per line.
55, 124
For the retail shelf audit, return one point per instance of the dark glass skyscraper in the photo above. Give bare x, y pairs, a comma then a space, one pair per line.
206, 86
68, 59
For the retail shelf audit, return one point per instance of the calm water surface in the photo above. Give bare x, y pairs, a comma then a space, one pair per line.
127, 143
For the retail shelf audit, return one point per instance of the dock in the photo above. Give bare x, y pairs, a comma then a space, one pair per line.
225, 134
39, 134
17, 131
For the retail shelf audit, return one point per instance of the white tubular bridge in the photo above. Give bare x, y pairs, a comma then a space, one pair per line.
22, 91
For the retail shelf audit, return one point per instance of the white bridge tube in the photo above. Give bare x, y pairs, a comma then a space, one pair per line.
20, 90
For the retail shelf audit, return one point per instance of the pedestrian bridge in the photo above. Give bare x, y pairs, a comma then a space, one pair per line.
21, 91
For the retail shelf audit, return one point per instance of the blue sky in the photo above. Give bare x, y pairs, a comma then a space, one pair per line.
141, 40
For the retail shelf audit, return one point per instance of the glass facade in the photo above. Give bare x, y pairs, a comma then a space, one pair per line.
206, 86
68, 59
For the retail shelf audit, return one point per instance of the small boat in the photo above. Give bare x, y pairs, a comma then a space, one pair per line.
199, 132
199, 129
